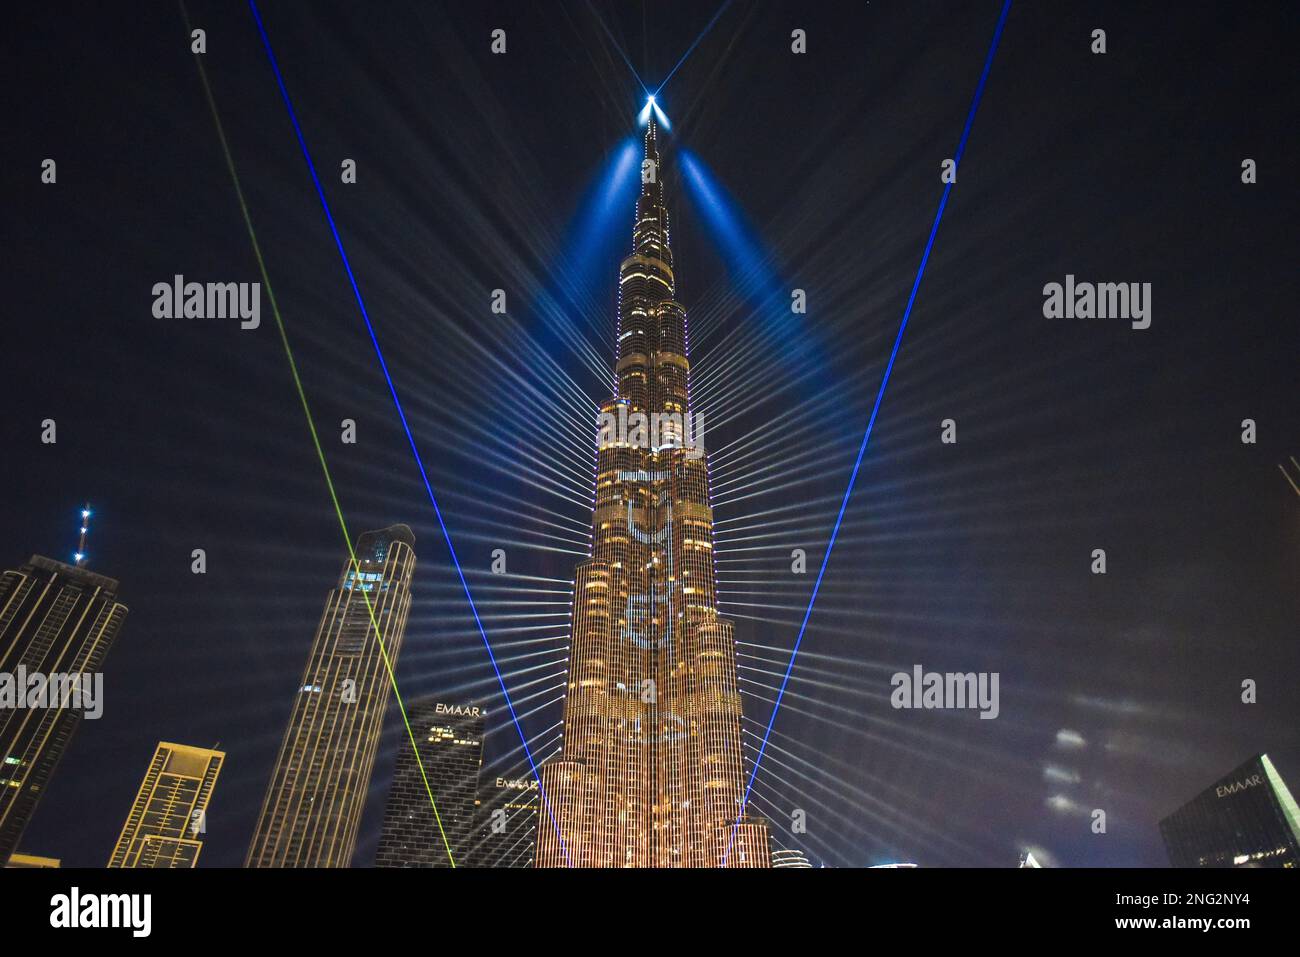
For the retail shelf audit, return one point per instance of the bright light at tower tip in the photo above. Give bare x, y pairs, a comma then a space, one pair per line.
652, 106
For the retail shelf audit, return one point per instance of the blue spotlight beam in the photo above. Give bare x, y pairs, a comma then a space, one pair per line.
392, 390
875, 410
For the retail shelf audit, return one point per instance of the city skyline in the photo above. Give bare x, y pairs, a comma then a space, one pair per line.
1070, 494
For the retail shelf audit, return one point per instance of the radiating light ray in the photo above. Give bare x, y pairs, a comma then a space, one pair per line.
961, 147
907, 826
892, 734
691, 49
302, 396
617, 46
892, 818
397, 403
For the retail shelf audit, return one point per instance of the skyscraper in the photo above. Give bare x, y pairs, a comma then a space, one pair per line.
57, 623
168, 817
1246, 819
651, 773
318, 787
507, 825
450, 739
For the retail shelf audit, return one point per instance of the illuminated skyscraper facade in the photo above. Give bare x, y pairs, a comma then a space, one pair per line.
450, 742
651, 773
57, 622
507, 827
318, 787
1246, 819
169, 815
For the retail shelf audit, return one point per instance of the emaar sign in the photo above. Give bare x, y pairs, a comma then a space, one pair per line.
1223, 790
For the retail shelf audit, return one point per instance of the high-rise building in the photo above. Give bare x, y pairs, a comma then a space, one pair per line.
785, 858
1246, 819
18, 859
652, 773
450, 742
168, 817
313, 805
57, 623
507, 828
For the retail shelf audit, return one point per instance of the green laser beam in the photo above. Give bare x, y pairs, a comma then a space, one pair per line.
311, 425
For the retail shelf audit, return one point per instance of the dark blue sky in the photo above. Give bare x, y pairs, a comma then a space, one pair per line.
473, 170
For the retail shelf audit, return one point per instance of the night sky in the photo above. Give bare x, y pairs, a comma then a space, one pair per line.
1119, 692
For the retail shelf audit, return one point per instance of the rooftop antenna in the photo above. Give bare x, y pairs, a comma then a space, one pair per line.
85, 527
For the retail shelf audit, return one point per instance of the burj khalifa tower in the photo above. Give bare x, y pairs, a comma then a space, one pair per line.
652, 770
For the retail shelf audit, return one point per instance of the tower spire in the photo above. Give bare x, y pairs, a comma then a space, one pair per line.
652, 139
85, 527
650, 779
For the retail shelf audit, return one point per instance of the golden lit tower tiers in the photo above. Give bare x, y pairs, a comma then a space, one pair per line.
652, 773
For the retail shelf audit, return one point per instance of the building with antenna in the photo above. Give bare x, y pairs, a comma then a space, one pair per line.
652, 768
57, 624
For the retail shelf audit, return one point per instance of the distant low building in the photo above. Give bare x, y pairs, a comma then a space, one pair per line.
789, 858
168, 817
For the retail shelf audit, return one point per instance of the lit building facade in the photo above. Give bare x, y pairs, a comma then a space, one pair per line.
652, 773
313, 805
507, 827
57, 621
169, 815
450, 742
1246, 819
789, 858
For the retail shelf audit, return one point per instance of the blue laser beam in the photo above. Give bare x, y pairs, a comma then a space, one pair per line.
875, 410
392, 389
691, 48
